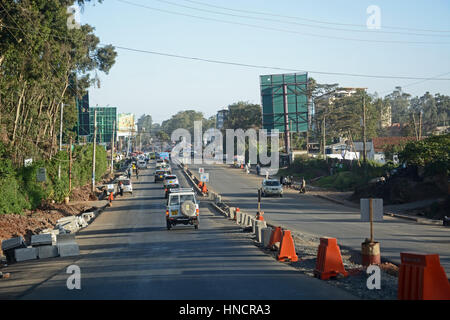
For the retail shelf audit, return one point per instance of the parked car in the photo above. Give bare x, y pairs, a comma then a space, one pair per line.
271, 187
182, 208
127, 185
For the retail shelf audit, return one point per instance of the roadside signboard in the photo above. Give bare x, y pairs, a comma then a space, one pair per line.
377, 210
28, 162
41, 175
204, 177
201, 170
284, 101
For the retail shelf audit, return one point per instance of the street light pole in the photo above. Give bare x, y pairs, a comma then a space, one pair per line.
94, 149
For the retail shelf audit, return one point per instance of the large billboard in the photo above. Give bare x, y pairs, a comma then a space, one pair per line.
83, 115
126, 124
284, 98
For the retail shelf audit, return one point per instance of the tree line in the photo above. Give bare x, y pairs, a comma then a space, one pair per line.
44, 64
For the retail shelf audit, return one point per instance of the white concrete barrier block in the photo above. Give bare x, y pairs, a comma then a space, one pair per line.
266, 233
41, 239
260, 225
65, 220
65, 238
12, 243
238, 217
45, 252
25, 254
68, 249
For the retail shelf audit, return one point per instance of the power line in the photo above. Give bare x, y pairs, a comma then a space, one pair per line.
418, 82
279, 30
312, 20
274, 67
270, 67
302, 24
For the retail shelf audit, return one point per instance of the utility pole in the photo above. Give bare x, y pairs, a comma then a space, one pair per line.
112, 147
420, 125
70, 164
323, 135
364, 129
93, 153
415, 127
286, 122
60, 137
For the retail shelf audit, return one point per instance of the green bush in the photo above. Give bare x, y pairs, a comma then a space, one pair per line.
20, 190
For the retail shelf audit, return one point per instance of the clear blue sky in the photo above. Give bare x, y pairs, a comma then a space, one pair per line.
162, 86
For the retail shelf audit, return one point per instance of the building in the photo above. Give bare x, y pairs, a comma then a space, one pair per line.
386, 116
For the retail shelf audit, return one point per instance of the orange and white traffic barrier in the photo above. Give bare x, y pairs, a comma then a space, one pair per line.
287, 248
329, 260
276, 236
421, 277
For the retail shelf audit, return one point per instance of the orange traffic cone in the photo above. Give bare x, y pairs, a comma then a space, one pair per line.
275, 237
260, 215
421, 277
329, 260
287, 248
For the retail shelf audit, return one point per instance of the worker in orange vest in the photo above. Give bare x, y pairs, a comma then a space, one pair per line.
204, 189
111, 198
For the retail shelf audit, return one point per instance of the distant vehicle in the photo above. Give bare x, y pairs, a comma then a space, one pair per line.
127, 185
170, 179
142, 164
159, 175
182, 208
168, 189
152, 155
271, 187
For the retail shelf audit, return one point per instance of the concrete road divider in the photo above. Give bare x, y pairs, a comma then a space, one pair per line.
10, 245
238, 216
45, 252
232, 212
329, 260
65, 238
68, 249
287, 248
24, 254
41, 240
421, 277
266, 234
243, 219
260, 225
88, 216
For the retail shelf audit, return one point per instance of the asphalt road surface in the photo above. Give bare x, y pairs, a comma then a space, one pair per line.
127, 253
311, 215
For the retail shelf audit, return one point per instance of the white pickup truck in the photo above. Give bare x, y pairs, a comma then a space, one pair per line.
182, 208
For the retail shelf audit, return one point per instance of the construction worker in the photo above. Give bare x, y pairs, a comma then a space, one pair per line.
204, 189
111, 198
137, 173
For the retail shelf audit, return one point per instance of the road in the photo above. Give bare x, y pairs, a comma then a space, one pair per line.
310, 215
127, 253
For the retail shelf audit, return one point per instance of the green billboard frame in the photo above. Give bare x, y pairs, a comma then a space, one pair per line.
275, 90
